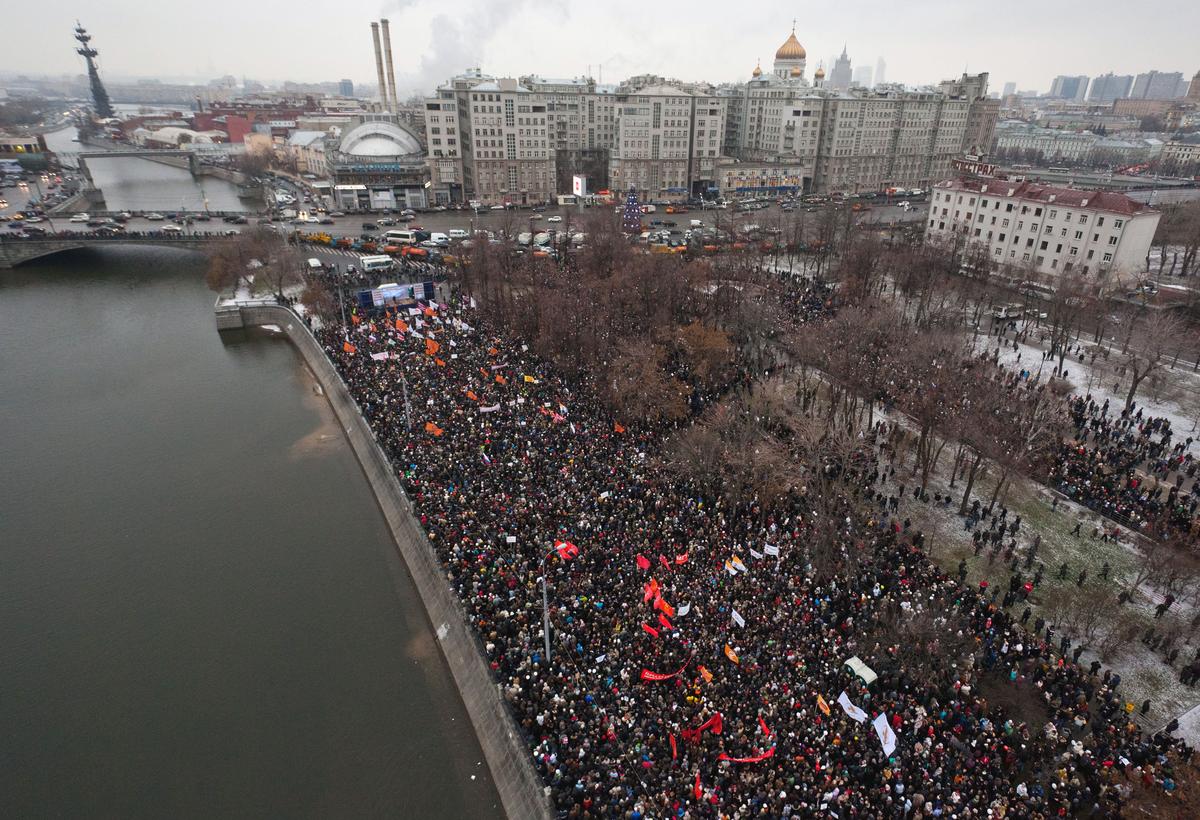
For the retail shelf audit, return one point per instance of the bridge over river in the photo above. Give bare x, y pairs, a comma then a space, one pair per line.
14, 251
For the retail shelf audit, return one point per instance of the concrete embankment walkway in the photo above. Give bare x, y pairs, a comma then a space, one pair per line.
521, 790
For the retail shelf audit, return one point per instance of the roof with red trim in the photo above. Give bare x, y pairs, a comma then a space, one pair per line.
1109, 201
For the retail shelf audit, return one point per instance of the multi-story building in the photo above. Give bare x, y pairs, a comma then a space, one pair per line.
377, 164
1193, 94
1067, 87
652, 149
1182, 156
1042, 229
1021, 142
1109, 87
514, 162
346, 88
1159, 85
841, 75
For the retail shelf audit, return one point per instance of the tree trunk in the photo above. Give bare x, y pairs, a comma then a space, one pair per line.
966, 499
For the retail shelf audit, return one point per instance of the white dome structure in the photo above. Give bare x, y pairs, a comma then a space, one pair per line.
379, 140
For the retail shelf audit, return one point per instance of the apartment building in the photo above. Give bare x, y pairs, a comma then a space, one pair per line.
1043, 229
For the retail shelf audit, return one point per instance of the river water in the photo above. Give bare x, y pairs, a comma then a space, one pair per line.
133, 184
201, 611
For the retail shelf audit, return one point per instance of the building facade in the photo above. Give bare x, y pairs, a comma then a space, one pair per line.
1067, 87
1045, 230
1159, 85
1109, 87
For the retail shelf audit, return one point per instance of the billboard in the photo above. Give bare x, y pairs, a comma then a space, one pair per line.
579, 185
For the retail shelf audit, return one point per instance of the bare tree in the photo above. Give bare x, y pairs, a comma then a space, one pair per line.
1152, 342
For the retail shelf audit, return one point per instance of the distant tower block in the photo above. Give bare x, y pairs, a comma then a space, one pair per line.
104, 108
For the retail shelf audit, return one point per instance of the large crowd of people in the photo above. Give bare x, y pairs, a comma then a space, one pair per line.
1130, 467
699, 646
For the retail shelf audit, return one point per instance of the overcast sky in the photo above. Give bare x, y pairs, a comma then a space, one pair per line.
923, 41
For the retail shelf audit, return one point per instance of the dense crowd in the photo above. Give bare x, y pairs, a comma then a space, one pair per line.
1130, 467
699, 647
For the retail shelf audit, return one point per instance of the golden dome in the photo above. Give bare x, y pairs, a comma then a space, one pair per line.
791, 49
795, 71
757, 72
820, 74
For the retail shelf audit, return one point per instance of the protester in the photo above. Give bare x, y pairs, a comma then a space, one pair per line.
686, 627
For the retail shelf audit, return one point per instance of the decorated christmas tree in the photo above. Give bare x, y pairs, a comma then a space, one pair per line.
631, 217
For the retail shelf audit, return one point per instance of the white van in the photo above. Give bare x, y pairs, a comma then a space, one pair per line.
457, 233
438, 239
373, 263
400, 237
697, 223
314, 264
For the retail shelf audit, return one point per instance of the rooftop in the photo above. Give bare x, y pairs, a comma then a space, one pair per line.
1109, 201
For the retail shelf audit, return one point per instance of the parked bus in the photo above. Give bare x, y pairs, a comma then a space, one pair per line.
374, 263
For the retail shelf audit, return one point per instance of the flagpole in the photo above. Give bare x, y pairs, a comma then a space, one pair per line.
545, 609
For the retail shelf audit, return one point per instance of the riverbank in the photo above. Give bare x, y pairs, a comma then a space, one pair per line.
521, 790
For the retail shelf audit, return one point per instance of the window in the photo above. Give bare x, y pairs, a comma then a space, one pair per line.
1046, 245
1108, 257
1100, 221
1083, 219
1117, 223
1112, 240
1091, 254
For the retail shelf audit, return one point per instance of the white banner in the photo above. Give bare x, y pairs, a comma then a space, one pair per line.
886, 736
380, 357
738, 619
491, 409
850, 709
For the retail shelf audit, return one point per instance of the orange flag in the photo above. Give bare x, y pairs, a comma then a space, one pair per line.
432, 428
729, 653
483, 372
354, 319
501, 380
431, 347
618, 427
822, 705
400, 326
493, 351
471, 395
704, 673
349, 348
439, 362
665, 608
429, 312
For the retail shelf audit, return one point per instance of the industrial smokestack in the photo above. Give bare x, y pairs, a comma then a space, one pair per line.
379, 65
391, 72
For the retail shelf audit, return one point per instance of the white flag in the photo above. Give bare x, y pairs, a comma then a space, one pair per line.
755, 553
472, 301
771, 549
380, 357
510, 539
683, 610
850, 709
491, 409
886, 736
414, 312
738, 619
737, 563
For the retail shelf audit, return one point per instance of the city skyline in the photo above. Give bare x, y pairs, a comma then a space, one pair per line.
435, 41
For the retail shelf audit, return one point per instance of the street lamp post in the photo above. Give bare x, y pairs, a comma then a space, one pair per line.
545, 608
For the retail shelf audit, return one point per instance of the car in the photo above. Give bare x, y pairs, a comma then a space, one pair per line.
554, 219
337, 213
34, 230
370, 226
387, 220
534, 216
232, 232
154, 216
497, 208
124, 216
79, 218
33, 219
325, 220
171, 229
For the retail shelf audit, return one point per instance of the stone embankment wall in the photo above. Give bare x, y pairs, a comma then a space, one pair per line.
521, 790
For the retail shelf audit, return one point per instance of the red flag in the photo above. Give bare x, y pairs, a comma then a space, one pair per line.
681, 559
349, 348
566, 550
650, 629
650, 590
643, 562
715, 724
493, 351
656, 676
697, 792
618, 428
674, 748
662, 619
665, 562
763, 725
768, 753
665, 608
